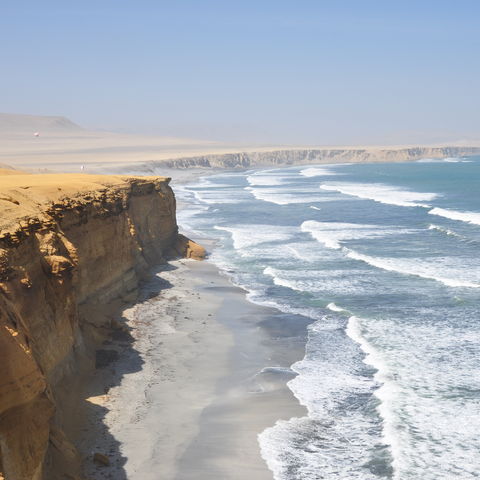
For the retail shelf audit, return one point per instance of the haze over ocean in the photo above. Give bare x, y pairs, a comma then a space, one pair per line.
383, 260
307, 72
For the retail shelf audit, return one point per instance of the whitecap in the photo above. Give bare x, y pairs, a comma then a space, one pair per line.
317, 172
419, 268
452, 160
331, 234
387, 391
334, 441
468, 217
444, 230
442, 437
280, 197
382, 193
217, 196
335, 308
265, 180
245, 236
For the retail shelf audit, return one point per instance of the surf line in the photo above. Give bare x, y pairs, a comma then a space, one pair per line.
385, 393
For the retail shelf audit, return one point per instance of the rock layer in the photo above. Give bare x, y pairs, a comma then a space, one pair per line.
70, 245
315, 156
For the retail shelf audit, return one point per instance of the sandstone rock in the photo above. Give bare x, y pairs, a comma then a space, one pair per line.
297, 156
64, 256
58, 265
101, 459
187, 248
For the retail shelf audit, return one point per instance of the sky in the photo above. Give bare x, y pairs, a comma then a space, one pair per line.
335, 72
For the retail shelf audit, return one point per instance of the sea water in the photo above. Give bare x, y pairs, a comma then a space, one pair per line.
384, 260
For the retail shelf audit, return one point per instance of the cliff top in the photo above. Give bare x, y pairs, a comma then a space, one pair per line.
24, 195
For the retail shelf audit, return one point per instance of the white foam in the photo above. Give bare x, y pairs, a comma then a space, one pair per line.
281, 282
335, 308
337, 437
468, 217
444, 160
441, 229
431, 371
440, 160
331, 234
207, 191
381, 193
206, 182
314, 207
317, 172
387, 391
329, 239
428, 421
217, 196
420, 268
281, 197
245, 236
452, 160
264, 180
324, 282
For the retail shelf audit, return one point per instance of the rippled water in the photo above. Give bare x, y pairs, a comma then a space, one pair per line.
384, 259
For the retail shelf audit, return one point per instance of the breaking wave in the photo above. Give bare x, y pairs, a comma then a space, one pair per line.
379, 192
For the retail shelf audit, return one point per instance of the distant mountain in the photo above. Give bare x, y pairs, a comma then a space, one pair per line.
18, 123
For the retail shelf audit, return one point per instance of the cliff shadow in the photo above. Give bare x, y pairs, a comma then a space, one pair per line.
105, 407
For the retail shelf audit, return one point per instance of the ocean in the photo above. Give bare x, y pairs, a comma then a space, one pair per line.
383, 259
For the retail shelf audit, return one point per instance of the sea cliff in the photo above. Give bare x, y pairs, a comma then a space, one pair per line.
299, 156
71, 248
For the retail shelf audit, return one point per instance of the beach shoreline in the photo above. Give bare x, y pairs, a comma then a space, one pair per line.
207, 383
205, 390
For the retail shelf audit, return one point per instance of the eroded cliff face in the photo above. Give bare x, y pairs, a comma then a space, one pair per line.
314, 156
70, 246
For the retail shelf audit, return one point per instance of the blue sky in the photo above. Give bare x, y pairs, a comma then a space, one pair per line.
296, 72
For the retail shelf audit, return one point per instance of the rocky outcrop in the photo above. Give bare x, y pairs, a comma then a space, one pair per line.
70, 246
314, 156
184, 247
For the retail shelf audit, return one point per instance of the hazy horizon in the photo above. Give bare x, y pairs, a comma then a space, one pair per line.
276, 72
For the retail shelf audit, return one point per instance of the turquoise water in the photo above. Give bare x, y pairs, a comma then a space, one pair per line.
383, 258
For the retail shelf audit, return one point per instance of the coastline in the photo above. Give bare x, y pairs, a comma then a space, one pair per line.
197, 404
193, 372
206, 384
69, 255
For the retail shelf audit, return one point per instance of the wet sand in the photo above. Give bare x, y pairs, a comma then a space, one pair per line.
199, 396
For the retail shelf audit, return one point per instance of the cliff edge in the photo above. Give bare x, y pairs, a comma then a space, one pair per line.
312, 156
70, 246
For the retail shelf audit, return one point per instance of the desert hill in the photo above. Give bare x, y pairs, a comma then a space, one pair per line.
13, 123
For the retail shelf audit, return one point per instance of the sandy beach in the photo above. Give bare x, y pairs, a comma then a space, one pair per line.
203, 388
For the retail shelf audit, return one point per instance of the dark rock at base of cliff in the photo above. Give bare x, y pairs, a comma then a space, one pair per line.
186, 248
